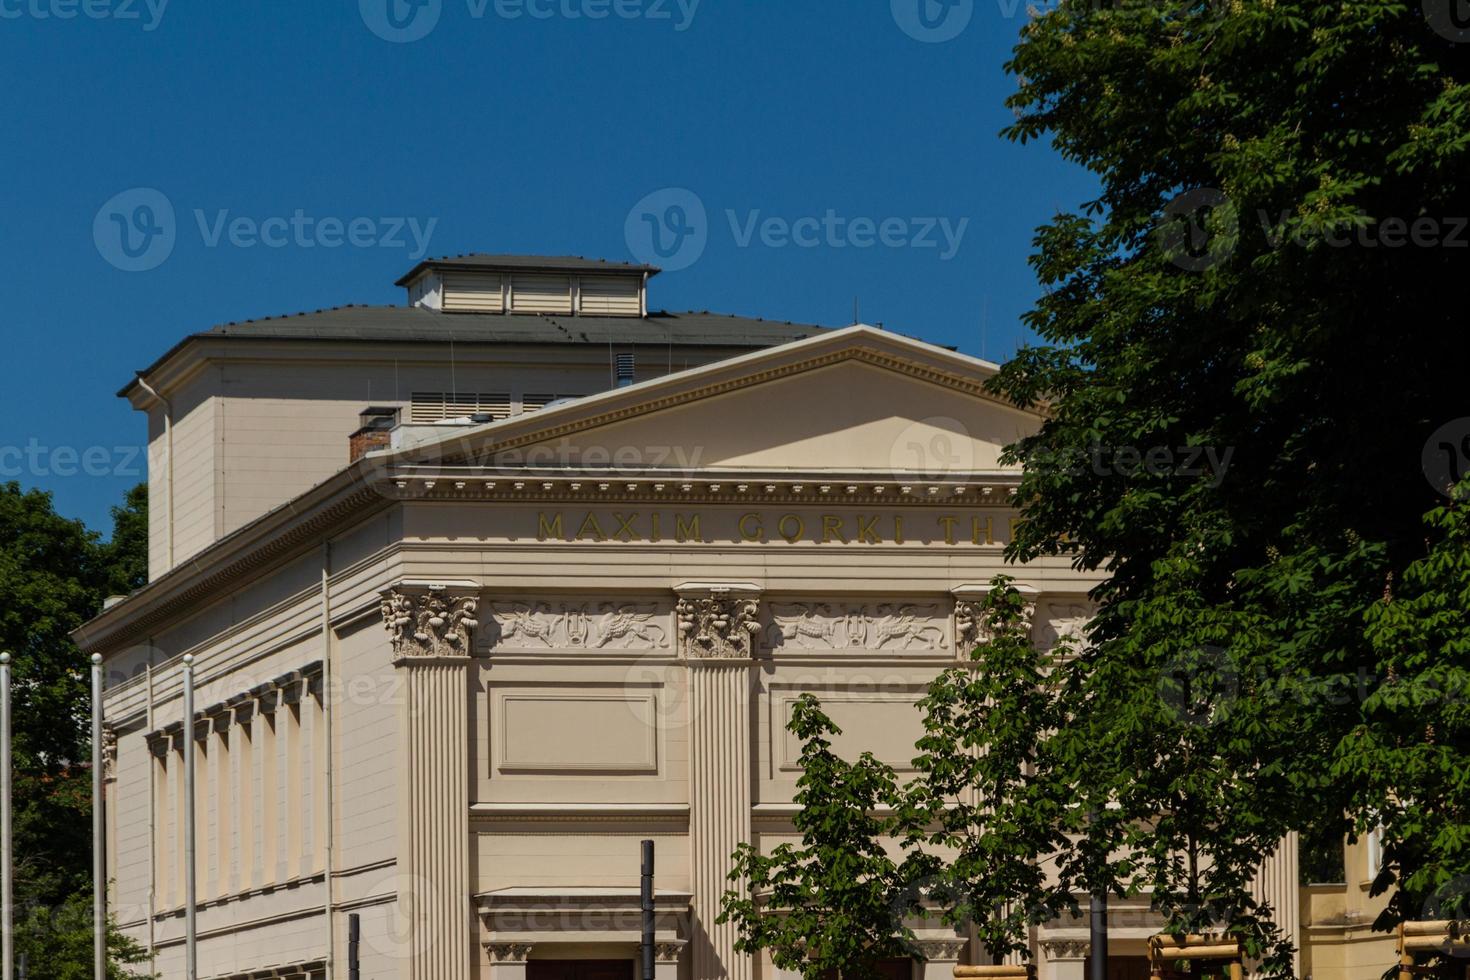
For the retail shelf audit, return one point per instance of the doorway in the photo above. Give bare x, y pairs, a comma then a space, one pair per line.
579, 969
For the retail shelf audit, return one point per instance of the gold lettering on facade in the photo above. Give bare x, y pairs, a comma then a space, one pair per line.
757, 527
687, 530
948, 524
590, 526
979, 524
625, 527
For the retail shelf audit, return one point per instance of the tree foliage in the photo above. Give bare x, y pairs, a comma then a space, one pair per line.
54, 574
985, 818
837, 901
1249, 290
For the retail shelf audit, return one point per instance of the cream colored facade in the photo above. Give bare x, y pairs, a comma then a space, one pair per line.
449, 688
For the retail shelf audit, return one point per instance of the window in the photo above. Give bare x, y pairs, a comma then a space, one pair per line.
436, 406
625, 370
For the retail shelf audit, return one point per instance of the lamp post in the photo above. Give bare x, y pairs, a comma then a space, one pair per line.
191, 924
7, 863
99, 855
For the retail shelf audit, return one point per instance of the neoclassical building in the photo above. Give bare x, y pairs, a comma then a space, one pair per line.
485, 589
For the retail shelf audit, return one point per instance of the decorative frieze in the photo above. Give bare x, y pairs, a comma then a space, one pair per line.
1065, 949
667, 952
857, 626
940, 950
508, 952
718, 623
578, 625
109, 754
970, 629
430, 624
1062, 622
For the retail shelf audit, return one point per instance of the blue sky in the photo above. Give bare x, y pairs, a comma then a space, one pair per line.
308, 151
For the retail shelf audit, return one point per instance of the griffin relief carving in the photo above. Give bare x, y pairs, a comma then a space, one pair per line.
719, 626
885, 626
433, 624
587, 626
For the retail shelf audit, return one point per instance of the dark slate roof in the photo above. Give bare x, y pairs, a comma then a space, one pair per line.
406, 324
479, 261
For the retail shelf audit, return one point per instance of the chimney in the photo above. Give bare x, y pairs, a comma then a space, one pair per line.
375, 431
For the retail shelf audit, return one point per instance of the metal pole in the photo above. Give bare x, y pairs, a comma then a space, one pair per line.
7, 862
646, 896
1099, 949
354, 940
191, 924
99, 855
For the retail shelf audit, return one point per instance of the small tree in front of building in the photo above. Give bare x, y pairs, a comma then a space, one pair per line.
835, 903
984, 816
972, 830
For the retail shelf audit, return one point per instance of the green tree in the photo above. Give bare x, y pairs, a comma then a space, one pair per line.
837, 901
1231, 431
1414, 730
985, 814
54, 574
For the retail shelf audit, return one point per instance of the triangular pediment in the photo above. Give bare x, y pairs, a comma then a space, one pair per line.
856, 401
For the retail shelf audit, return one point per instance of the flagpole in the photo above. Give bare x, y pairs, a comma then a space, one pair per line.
99, 853
7, 863
191, 925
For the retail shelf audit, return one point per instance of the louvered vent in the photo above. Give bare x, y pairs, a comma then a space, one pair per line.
473, 293
436, 406
611, 296
536, 402
541, 294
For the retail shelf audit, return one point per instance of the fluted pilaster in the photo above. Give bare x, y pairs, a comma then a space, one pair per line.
717, 643
1277, 883
431, 635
